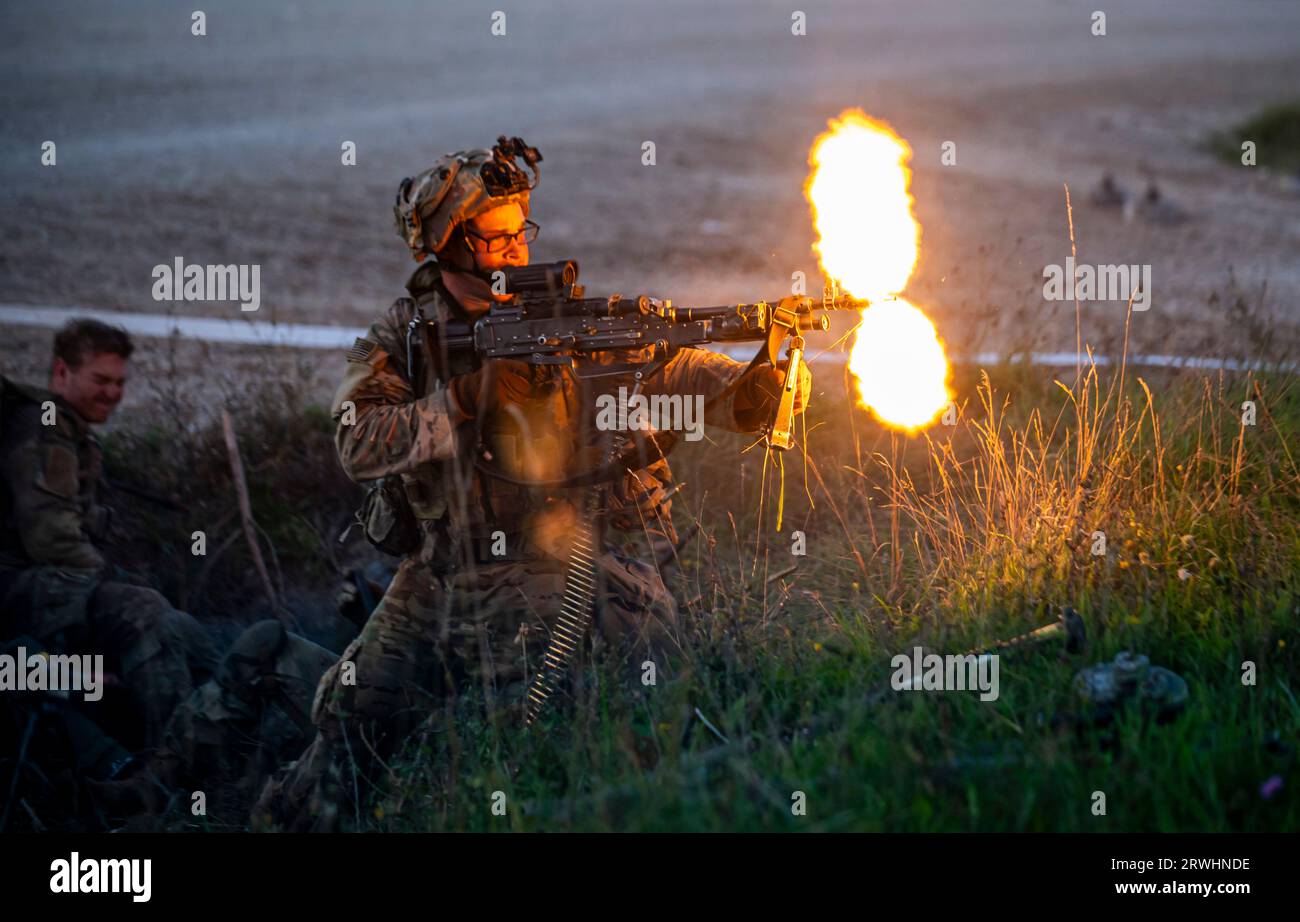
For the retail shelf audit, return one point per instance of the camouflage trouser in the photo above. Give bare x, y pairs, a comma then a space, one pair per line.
159, 653
484, 627
234, 730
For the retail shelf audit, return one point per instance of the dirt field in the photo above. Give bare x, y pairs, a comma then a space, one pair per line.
226, 148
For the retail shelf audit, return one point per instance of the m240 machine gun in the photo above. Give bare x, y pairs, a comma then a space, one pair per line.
549, 320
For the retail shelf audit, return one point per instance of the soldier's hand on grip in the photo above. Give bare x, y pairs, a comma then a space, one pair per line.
759, 393
761, 386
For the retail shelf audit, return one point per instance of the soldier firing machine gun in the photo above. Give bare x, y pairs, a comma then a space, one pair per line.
550, 321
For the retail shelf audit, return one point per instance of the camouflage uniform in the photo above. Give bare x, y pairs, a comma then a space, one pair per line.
233, 731
464, 612
455, 615
52, 584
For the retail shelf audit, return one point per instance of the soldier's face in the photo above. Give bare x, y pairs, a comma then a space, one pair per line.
503, 224
94, 388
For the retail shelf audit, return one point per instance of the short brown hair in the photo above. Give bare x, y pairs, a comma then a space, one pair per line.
82, 337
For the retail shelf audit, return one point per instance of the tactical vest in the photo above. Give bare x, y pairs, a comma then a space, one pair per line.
457, 506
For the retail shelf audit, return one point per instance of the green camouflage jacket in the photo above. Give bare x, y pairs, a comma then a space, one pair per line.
51, 463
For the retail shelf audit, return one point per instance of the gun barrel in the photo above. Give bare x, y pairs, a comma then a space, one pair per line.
710, 313
804, 306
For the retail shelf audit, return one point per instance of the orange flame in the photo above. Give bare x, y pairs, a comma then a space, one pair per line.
868, 241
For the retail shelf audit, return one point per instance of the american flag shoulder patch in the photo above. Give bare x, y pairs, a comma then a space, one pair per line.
361, 350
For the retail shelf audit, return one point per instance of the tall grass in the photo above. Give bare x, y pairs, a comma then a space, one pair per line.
950, 541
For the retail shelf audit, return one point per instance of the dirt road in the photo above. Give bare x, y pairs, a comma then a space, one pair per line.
225, 148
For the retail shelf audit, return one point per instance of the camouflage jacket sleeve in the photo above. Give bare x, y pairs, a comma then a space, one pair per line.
383, 427
640, 502
701, 371
42, 466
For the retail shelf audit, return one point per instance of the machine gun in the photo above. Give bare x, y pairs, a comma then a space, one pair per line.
550, 321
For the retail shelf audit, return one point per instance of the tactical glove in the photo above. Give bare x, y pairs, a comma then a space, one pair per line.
759, 392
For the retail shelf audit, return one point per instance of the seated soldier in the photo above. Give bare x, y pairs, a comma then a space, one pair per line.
54, 580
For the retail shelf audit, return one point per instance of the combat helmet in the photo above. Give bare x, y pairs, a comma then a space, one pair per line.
1106, 687
459, 187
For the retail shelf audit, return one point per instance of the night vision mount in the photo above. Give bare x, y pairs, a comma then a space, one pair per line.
502, 176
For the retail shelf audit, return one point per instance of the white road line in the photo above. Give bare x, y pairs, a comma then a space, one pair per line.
206, 329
